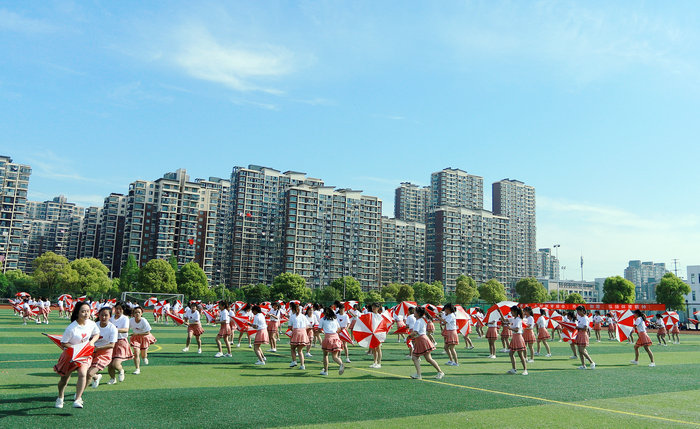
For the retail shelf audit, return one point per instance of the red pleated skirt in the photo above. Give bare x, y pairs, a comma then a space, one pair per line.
581, 338
492, 332
224, 330
661, 331
121, 350
422, 345
331, 343
529, 336
430, 326
517, 343
506, 333
101, 358
543, 334
261, 337
644, 339
142, 341
451, 337
299, 337
64, 366
196, 329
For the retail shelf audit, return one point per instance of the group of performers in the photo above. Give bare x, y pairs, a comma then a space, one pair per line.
310, 326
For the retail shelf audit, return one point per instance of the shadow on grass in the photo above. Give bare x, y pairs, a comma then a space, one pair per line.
22, 386
25, 412
314, 373
44, 374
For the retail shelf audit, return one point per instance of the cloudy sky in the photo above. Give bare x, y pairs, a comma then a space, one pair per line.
595, 104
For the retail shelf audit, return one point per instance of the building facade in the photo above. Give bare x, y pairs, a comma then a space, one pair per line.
547, 264
456, 188
402, 252
645, 276
14, 183
212, 246
111, 237
411, 202
693, 298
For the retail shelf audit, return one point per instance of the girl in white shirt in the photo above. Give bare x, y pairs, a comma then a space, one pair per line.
343, 322
273, 327
261, 336
492, 336
141, 338
422, 346
104, 346
661, 329
643, 340
597, 325
542, 335
81, 330
300, 338
449, 332
480, 322
611, 327
675, 333
309, 314
517, 343
317, 320
528, 332
224, 330
42, 311
398, 319
121, 351
193, 318
331, 342
376, 351
245, 315
581, 341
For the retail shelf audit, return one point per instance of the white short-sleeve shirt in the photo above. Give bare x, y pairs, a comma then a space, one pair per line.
529, 321
582, 322
419, 327
76, 334
516, 325
224, 317
259, 321
108, 334
121, 323
142, 327
640, 325
343, 320
410, 321
450, 322
329, 326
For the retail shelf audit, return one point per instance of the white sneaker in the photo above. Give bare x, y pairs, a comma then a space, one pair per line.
582, 367
145, 361
449, 362
592, 365
573, 357
530, 360
379, 365
634, 362
228, 355
408, 356
512, 371
59, 403
121, 376
137, 372
374, 365
308, 354
78, 403
273, 350
302, 366
260, 362
651, 365
347, 360
492, 357
323, 373
525, 372
265, 358
536, 353
439, 375
199, 351
416, 377
218, 354
469, 348
186, 349
96, 381
341, 370
112, 381
238, 345
250, 346
292, 364
548, 355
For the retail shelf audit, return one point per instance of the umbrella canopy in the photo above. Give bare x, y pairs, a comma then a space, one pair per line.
370, 330
345, 336
669, 318
82, 352
492, 315
624, 326
150, 301
176, 318
477, 318
288, 332
64, 297
402, 308
568, 331
55, 338
402, 330
431, 310
554, 319
538, 312
463, 320
695, 321
349, 305
265, 307
241, 323
22, 294
210, 316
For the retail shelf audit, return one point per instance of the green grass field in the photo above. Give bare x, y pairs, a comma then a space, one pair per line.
179, 389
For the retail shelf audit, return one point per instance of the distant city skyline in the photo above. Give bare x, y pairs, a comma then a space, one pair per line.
592, 104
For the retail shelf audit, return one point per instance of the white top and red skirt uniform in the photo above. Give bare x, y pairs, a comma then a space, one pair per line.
331, 341
492, 331
450, 331
108, 335
261, 336
74, 335
224, 319
528, 333
421, 344
517, 343
641, 327
542, 333
274, 324
141, 334
299, 325
121, 350
195, 323
662, 328
582, 331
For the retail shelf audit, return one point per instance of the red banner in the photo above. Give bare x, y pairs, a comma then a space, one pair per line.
599, 306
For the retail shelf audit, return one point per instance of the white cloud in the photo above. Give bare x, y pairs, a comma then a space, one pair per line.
11, 21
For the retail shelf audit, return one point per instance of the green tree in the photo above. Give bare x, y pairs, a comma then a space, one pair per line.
575, 298
434, 293
617, 290
157, 276
92, 277
20, 282
529, 290
172, 260
328, 295
557, 295
670, 292
492, 291
405, 293
390, 291
256, 293
51, 272
466, 290
290, 286
418, 291
353, 289
373, 296
191, 281
114, 290
5, 285
129, 275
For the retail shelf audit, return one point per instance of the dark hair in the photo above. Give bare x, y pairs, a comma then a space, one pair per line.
517, 310
329, 314
224, 303
412, 310
294, 307
420, 312
256, 309
307, 309
528, 309
597, 312
76, 310
376, 306
449, 306
659, 315
639, 313
581, 308
125, 308
317, 306
337, 304
136, 307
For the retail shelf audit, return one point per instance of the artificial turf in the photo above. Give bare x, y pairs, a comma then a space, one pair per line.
179, 389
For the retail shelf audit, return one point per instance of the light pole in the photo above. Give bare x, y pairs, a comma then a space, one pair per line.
556, 252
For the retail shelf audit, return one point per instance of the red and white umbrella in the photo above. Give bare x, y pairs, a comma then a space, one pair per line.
55, 338
538, 312
345, 336
568, 331
238, 306
431, 310
669, 318
402, 308
695, 313
349, 305
82, 298
179, 320
22, 294
477, 318
211, 318
463, 320
624, 326
150, 301
289, 332
695, 321
554, 319
492, 315
81, 353
370, 330
64, 297
241, 323
265, 307
402, 330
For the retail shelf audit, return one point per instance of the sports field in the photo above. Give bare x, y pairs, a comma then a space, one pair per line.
186, 389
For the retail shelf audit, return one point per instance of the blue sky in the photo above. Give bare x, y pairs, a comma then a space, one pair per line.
596, 104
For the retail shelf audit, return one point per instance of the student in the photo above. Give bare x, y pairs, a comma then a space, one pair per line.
45, 306
317, 320
244, 313
542, 336
300, 338
27, 312
376, 351
467, 341
611, 327
661, 331
141, 338
422, 346
273, 327
643, 340
582, 337
517, 343
492, 336
430, 327
231, 322
398, 319
121, 351
331, 342
449, 332
104, 346
675, 337
261, 336
61, 309
309, 314
410, 320
480, 324
506, 335
224, 330
528, 326
80, 330
193, 318
571, 317
343, 322
597, 325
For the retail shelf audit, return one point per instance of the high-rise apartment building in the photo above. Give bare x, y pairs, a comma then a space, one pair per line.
402, 252
516, 200
411, 202
90, 234
14, 182
547, 264
212, 246
111, 236
645, 276
464, 241
257, 217
456, 188
332, 233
